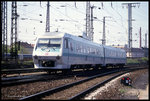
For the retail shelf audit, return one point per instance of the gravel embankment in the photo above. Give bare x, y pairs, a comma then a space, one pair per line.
19, 91
68, 93
115, 90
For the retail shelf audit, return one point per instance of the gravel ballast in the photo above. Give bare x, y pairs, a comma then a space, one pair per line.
19, 91
115, 90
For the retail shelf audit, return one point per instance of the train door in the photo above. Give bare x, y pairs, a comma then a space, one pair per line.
104, 59
66, 48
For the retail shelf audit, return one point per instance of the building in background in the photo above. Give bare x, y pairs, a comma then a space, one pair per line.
26, 48
135, 52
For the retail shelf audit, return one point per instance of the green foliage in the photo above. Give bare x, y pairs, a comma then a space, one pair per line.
22, 50
137, 60
129, 61
144, 58
8, 50
122, 90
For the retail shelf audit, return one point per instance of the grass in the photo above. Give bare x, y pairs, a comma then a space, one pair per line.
122, 90
129, 61
27, 62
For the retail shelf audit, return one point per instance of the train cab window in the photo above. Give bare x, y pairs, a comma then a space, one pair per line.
48, 43
66, 43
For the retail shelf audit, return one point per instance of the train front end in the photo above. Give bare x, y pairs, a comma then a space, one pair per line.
47, 53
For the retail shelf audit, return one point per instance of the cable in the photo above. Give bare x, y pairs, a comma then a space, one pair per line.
76, 9
66, 15
115, 20
74, 21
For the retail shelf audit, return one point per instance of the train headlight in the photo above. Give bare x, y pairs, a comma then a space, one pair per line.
58, 57
35, 57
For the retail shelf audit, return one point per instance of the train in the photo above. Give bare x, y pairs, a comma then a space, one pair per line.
63, 51
20, 56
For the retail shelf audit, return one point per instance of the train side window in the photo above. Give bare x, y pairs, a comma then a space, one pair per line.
84, 49
66, 43
88, 50
77, 48
97, 52
81, 48
71, 46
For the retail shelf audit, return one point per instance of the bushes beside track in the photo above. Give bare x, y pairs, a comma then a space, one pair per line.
143, 60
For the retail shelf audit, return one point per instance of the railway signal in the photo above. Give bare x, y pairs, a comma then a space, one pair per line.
126, 81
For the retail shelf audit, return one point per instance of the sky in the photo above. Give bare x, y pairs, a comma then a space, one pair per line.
70, 17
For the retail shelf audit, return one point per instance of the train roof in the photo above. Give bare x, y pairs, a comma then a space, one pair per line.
114, 48
77, 38
63, 34
51, 35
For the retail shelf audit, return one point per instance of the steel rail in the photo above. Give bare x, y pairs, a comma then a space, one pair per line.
13, 71
24, 79
83, 93
27, 70
9, 81
54, 90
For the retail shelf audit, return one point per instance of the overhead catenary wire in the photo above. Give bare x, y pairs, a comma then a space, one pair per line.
72, 20
78, 22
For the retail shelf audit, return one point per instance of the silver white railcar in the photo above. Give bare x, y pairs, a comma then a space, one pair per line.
58, 50
114, 56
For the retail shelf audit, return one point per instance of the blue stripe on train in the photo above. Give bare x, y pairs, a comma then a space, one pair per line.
95, 56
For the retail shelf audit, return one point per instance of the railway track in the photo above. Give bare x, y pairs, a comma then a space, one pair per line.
91, 82
22, 79
16, 80
18, 71
8, 72
9, 81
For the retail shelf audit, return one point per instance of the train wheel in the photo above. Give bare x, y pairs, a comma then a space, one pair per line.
67, 71
49, 72
104, 67
96, 67
121, 66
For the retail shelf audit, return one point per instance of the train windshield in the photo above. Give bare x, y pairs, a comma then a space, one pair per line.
46, 43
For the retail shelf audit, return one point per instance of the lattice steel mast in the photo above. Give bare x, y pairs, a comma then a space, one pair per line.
14, 51
88, 26
91, 31
130, 5
4, 29
47, 29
